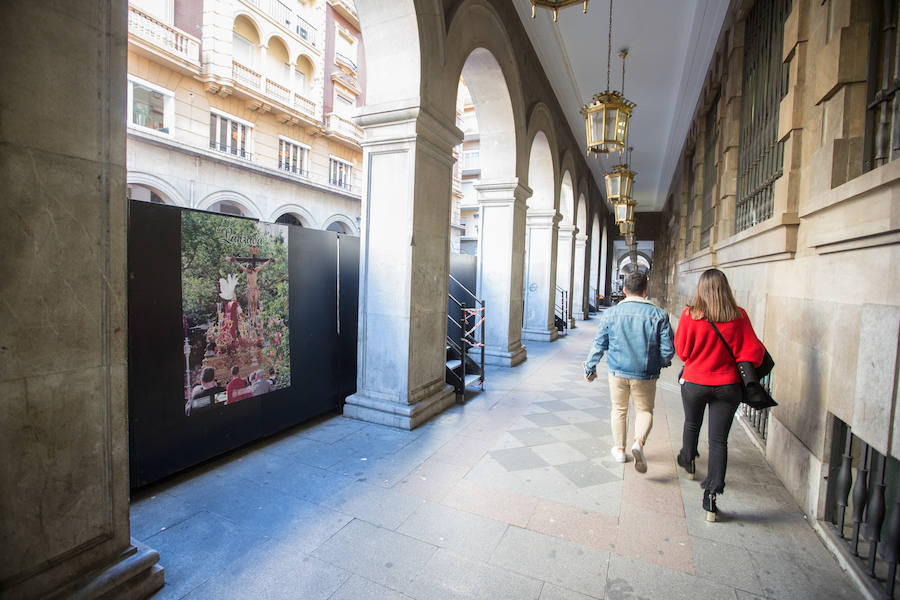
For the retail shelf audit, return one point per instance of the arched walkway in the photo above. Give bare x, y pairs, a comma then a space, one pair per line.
162, 188
565, 244
594, 271
579, 290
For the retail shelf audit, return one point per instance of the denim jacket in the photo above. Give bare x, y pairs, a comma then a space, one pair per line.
637, 337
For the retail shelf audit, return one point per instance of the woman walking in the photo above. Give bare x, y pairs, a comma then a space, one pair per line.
711, 375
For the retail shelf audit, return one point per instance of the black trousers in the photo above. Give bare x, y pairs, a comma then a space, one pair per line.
723, 401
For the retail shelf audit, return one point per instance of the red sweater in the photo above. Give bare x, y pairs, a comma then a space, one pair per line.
706, 360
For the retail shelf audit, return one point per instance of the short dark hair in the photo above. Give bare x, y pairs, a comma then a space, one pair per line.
636, 283
208, 375
235, 370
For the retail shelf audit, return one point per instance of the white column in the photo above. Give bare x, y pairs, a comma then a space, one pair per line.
540, 275
579, 307
594, 274
404, 267
501, 261
565, 258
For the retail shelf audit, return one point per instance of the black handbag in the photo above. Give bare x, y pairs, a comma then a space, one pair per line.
754, 394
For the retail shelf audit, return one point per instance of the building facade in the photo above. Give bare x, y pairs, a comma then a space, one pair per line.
245, 107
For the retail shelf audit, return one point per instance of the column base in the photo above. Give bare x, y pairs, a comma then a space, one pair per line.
582, 316
501, 358
366, 407
540, 335
135, 575
572, 322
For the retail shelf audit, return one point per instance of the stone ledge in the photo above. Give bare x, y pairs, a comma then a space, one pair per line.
135, 575
505, 359
772, 240
394, 414
700, 261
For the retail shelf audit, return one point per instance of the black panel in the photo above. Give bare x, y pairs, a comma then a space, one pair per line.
323, 363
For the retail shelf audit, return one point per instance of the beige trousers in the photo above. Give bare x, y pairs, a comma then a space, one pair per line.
643, 391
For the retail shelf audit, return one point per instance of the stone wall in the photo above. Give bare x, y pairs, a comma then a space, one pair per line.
819, 278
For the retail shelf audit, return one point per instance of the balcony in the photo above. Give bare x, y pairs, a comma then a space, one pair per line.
283, 15
346, 9
155, 37
343, 128
263, 91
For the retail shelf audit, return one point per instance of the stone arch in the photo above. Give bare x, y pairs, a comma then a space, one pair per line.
540, 123
581, 213
304, 64
167, 191
392, 36
301, 214
278, 56
344, 220
566, 206
249, 207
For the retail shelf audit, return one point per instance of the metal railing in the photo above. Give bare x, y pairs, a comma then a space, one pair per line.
346, 61
233, 150
561, 310
872, 501
882, 135
757, 419
710, 176
305, 30
462, 335
168, 38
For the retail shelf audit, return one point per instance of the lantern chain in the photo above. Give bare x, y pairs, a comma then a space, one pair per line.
609, 46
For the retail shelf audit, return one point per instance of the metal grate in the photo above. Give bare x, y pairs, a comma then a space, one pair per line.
689, 211
707, 215
759, 419
883, 103
765, 82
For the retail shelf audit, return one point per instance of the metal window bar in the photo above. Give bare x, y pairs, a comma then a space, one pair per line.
863, 504
882, 134
710, 176
689, 210
765, 82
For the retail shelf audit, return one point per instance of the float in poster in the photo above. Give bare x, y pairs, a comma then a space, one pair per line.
234, 280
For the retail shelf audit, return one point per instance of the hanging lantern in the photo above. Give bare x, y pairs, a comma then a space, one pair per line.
629, 239
626, 227
606, 116
624, 211
619, 182
555, 5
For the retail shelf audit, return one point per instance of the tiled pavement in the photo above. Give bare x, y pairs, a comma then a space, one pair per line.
512, 495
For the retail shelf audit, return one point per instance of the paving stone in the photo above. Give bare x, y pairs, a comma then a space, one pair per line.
334, 429
575, 415
565, 433
631, 579
575, 525
494, 503
586, 473
357, 588
782, 576
449, 576
273, 572
591, 447
466, 534
158, 512
376, 505
385, 557
553, 560
431, 480
596, 428
656, 538
310, 484
558, 453
516, 459
554, 405
725, 564
554, 592
545, 419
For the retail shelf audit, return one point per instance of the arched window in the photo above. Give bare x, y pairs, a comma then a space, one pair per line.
289, 219
337, 227
226, 207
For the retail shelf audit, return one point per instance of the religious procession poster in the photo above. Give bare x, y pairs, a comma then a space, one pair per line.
234, 275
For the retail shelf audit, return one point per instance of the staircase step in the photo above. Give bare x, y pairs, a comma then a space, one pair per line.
453, 364
470, 379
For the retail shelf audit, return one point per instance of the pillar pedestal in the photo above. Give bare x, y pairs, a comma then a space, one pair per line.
579, 308
565, 254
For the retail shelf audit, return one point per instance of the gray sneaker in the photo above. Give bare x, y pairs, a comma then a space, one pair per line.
640, 464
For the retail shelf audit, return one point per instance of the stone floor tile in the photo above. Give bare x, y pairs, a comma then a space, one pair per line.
657, 538
273, 572
554, 405
568, 565
634, 579
151, 514
466, 534
576, 415
591, 447
725, 564
653, 492
604, 498
554, 592
308, 451
452, 577
595, 428
379, 506
558, 453
197, 549
517, 459
462, 451
256, 465
330, 430
782, 576
385, 557
494, 503
309, 483
431, 480
566, 433
575, 525
586, 473
545, 419
358, 588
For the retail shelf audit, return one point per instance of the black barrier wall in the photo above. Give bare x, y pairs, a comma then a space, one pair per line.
322, 318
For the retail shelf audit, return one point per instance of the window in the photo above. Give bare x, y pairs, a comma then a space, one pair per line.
881, 137
707, 214
689, 208
764, 85
340, 173
149, 106
343, 106
300, 80
242, 49
230, 135
344, 48
293, 157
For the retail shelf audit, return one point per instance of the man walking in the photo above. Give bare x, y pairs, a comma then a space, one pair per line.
637, 338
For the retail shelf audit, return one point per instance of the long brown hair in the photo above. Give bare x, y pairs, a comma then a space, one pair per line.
714, 300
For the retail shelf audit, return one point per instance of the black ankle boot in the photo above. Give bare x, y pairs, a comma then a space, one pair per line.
709, 505
688, 466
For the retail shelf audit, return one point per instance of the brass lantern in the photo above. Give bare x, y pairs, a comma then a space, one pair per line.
606, 121
619, 182
629, 239
555, 5
626, 227
624, 211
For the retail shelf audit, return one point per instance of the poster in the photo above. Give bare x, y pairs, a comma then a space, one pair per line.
234, 279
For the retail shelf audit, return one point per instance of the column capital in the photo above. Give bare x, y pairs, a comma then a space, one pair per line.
567, 229
542, 218
406, 122
502, 192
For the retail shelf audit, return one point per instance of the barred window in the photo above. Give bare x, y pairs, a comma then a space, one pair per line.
707, 215
883, 115
293, 157
765, 82
340, 173
229, 135
689, 211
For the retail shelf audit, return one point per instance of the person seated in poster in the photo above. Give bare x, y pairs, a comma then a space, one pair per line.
203, 393
272, 379
237, 387
259, 384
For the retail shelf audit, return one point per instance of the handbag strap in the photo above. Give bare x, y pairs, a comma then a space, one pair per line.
727, 347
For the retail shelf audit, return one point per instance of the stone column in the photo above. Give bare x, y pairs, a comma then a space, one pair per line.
594, 272
404, 267
63, 324
565, 259
501, 262
579, 308
540, 275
